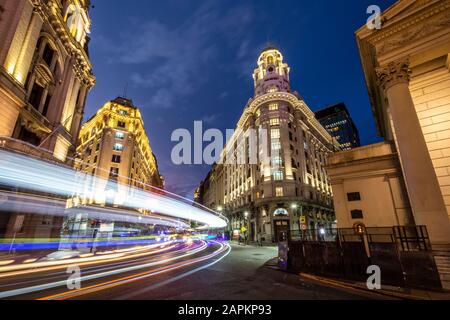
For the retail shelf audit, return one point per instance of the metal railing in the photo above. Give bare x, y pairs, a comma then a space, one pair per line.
407, 238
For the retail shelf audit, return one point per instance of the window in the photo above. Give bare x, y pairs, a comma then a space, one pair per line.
279, 191
275, 133
123, 112
46, 104
278, 175
121, 124
118, 147
290, 136
305, 145
273, 106
272, 90
357, 214
48, 54
115, 159
36, 96
277, 161
114, 172
120, 135
258, 113
353, 196
274, 121
276, 145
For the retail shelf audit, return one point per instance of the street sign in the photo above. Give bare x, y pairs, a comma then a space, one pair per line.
303, 227
243, 229
303, 219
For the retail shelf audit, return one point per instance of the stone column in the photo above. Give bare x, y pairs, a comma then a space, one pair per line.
422, 185
28, 48
78, 114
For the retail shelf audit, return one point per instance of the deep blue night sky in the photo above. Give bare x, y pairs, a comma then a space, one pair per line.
193, 60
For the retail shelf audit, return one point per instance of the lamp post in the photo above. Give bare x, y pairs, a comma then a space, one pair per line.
246, 227
220, 210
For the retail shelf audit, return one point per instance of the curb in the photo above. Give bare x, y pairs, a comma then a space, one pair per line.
347, 285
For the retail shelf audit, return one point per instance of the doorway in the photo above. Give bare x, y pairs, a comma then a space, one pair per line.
281, 230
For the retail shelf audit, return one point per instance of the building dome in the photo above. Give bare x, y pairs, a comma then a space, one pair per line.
269, 47
272, 74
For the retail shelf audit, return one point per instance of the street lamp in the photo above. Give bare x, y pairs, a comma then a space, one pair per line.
246, 214
219, 208
294, 206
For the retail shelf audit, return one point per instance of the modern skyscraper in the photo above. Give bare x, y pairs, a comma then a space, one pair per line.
289, 191
337, 121
45, 76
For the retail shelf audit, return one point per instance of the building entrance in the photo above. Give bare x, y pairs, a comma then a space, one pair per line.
281, 230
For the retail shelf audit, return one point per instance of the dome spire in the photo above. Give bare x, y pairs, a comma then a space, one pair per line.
272, 74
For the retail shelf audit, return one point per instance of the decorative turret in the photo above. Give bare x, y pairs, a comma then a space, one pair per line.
272, 74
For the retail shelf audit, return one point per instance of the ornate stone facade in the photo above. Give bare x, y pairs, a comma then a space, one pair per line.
113, 145
45, 76
393, 73
406, 67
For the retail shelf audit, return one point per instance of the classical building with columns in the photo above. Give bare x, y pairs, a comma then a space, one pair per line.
406, 179
271, 177
45, 76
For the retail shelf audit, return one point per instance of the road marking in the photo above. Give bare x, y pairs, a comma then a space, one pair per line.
56, 284
357, 289
132, 278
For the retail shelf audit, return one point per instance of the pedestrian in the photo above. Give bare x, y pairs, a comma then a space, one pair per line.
259, 239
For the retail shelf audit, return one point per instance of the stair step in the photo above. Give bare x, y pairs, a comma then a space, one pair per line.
440, 259
443, 269
445, 285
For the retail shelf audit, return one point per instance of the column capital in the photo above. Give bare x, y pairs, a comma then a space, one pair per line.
395, 72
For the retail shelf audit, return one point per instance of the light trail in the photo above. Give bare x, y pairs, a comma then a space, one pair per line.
90, 268
125, 280
41, 287
181, 276
21, 269
19, 202
19, 171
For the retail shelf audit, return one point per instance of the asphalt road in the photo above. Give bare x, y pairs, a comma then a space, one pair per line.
200, 271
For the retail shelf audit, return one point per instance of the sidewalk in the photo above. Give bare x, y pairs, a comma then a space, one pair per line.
254, 244
391, 291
